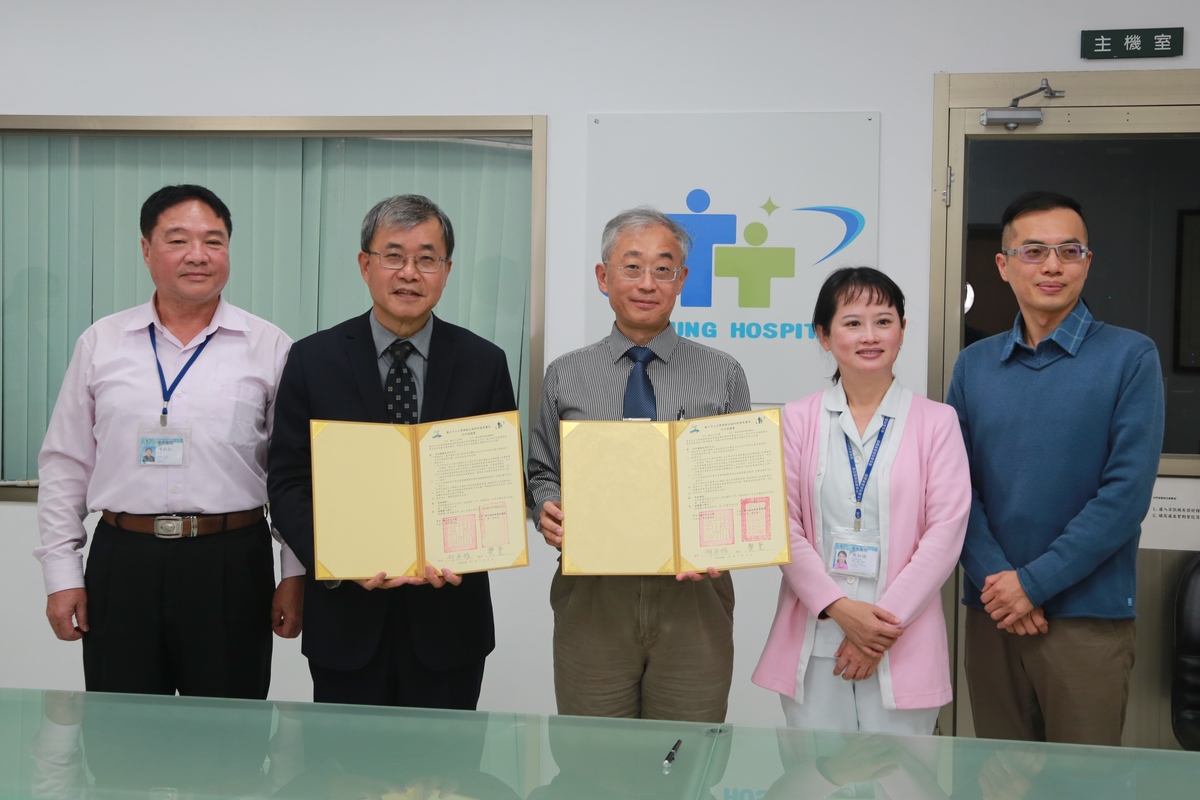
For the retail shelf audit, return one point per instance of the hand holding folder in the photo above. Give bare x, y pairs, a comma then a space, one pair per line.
433, 576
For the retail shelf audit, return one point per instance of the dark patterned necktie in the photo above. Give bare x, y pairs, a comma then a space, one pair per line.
639, 392
400, 389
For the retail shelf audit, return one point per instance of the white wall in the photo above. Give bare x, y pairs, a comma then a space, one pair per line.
563, 59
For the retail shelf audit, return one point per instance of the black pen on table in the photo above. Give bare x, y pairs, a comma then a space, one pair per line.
670, 759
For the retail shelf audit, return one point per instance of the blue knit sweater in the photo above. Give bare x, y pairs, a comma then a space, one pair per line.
1064, 443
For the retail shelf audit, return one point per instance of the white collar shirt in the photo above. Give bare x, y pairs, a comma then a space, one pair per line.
837, 490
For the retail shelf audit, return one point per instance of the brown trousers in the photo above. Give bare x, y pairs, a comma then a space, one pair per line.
1069, 685
649, 647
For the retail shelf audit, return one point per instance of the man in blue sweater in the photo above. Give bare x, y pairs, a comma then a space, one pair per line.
1063, 422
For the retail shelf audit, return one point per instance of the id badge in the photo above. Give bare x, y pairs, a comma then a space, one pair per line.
854, 553
163, 445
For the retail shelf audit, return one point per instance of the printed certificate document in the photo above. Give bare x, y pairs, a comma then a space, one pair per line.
651, 498
393, 498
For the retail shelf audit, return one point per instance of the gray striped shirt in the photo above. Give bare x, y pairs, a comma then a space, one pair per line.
690, 380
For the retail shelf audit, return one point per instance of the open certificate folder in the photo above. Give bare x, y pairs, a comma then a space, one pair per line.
393, 498
651, 498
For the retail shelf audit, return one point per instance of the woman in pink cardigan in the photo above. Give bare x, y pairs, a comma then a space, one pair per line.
878, 497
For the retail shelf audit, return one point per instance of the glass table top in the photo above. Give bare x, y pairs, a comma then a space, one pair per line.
80, 745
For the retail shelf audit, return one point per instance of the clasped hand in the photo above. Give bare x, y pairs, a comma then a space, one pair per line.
1005, 601
867, 626
854, 663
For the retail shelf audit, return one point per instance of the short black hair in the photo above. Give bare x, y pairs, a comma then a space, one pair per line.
171, 196
405, 211
1033, 202
846, 285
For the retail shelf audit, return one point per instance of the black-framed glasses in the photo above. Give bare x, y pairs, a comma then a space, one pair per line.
1036, 253
634, 272
396, 260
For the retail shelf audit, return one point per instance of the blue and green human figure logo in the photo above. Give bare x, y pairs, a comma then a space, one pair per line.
716, 252
707, 231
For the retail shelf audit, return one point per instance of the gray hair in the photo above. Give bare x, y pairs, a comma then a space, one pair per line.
405, 211
640, 218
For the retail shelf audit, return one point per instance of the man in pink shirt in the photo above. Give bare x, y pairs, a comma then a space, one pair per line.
162, 424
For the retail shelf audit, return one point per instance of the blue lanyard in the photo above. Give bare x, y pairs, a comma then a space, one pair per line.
861, 488
162, 379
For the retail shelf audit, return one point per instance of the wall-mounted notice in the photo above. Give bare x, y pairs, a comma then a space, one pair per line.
1173, 522
774, 203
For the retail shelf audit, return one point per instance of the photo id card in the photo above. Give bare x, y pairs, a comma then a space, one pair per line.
163, 446
853, 553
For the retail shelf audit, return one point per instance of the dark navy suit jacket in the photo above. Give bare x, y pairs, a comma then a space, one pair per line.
334, 375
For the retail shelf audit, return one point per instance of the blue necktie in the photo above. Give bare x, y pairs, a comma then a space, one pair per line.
639, 392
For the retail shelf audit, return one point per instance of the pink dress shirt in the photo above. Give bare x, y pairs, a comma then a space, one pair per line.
923, 518
89, 458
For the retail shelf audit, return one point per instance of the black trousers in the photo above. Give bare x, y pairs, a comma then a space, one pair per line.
395, 675
191, 616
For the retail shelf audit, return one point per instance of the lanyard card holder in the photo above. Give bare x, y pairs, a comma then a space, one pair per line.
854, 553
163, 445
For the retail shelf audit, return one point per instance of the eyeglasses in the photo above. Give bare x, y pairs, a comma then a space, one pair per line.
1037, 253
423, 262
634, 272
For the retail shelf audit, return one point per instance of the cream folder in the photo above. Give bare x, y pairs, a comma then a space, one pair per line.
658, 498
393, 498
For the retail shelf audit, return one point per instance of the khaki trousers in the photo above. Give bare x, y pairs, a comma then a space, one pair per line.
642, 646
1069, 685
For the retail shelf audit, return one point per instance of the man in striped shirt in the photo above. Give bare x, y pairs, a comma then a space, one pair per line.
655, 647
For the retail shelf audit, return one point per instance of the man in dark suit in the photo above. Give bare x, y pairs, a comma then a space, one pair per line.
388, 640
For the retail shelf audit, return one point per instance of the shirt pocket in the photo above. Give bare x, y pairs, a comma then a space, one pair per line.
236, 413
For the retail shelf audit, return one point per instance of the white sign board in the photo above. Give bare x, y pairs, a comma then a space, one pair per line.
774, 203
1173, 522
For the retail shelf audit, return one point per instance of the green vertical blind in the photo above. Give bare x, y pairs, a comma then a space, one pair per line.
70, 246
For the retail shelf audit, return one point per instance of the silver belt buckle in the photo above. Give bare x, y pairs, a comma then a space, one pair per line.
170, 527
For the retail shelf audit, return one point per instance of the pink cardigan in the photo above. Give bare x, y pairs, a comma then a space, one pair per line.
923, 518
